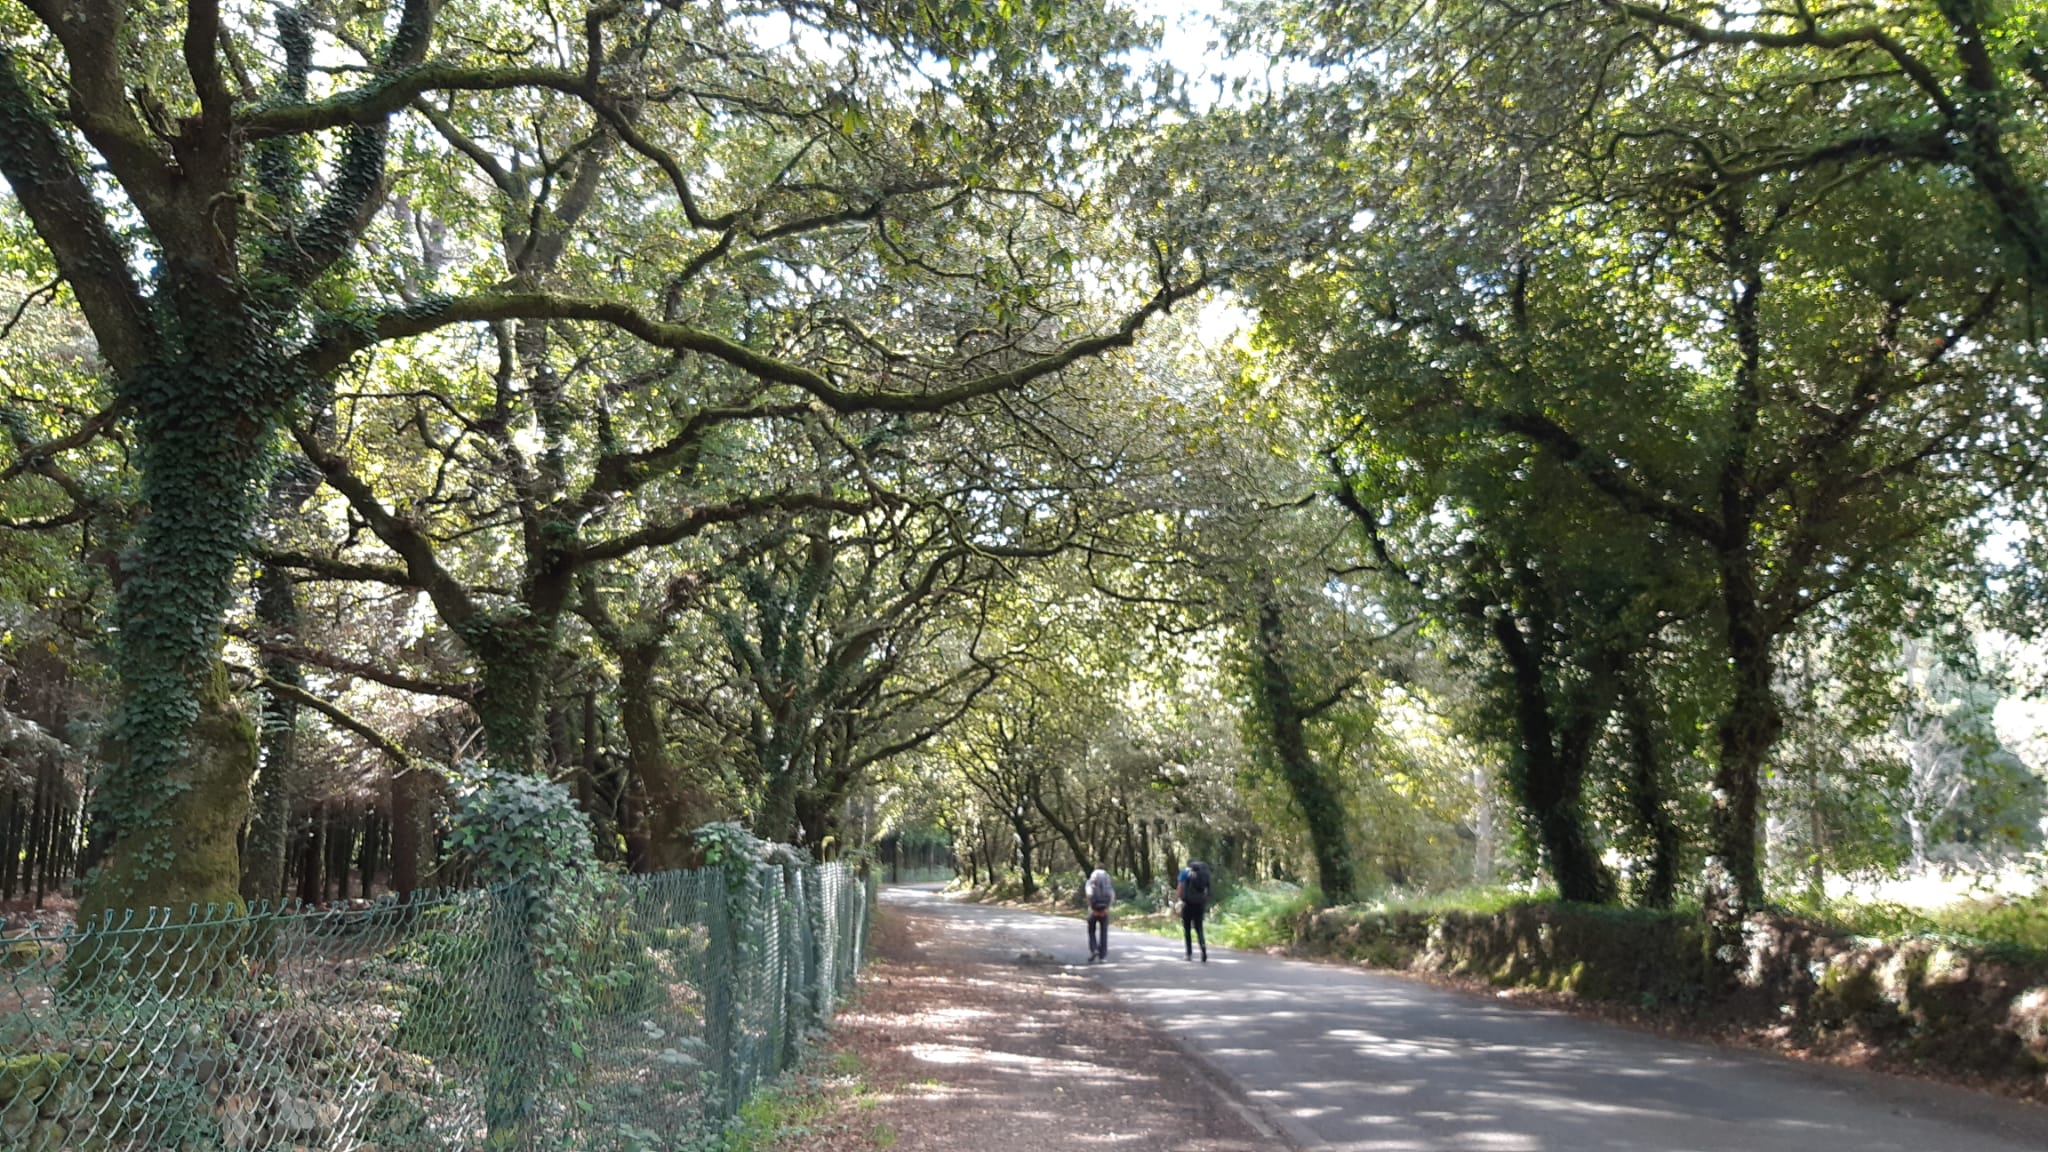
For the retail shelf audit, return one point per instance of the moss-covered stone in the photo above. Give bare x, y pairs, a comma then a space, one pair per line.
31, 1075
1924, 1000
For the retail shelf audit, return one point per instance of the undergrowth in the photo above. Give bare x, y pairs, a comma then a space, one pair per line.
785, 1116
2009, 922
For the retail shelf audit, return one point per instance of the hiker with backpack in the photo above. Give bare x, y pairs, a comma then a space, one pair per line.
1101, 894
1194, 904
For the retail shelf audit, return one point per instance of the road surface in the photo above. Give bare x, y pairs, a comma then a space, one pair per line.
1342, 1060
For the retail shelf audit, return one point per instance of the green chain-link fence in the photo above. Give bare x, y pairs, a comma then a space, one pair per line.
636, 1015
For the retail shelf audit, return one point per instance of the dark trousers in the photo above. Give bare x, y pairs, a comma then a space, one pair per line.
1098, 934
1191, 927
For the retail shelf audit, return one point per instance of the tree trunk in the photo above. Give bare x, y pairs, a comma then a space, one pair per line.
200, 822
171, 798
10, 842
407, 786
675, 802
513, 652
312, 855
1750, 727
1082, 857
1286, 727
1022, 830
370, 856
1747, 731
269, 835
1649, 802
1548, 773
38, 825
777, 817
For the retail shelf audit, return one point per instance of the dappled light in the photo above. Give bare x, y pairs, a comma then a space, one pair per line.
1373, 1062
1546, 500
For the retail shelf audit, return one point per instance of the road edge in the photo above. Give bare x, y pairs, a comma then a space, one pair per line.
1265, 1118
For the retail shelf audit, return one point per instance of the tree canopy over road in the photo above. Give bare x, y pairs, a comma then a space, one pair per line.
1594, 444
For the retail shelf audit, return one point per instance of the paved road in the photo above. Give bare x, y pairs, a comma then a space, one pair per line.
1351, 1061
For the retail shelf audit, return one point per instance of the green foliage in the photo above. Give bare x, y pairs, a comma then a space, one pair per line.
519, 829
2014, 925
1259, 916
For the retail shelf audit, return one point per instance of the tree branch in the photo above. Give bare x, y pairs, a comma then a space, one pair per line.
423, 568
341, 719
337, 343
50, 184
1602, 474
697, 519
362, 670
332, 569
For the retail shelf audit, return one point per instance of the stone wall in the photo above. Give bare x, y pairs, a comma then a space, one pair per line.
1963, 1006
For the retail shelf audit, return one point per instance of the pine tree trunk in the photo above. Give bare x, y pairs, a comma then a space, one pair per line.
407, 816
269, 837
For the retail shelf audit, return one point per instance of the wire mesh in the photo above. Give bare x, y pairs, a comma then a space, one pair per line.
633, 1017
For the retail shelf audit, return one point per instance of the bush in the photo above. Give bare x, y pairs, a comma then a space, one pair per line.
1259, 916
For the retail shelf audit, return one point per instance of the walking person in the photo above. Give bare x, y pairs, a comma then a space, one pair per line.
1193, 890
1101, 894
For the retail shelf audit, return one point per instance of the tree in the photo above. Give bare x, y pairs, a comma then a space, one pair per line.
1796, 380
262, 259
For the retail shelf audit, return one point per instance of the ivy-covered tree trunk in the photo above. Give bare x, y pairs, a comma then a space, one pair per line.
169, 807
777, 818
277, 777
1749, 728
1548, 771
185, 854
1649, 796
674, 806
201, 368
1746, 733
514, 653
1285, 720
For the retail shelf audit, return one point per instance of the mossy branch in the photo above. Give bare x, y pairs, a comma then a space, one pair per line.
341, 719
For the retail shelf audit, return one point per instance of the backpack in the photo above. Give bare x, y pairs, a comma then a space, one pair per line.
1196, 889
1098, 901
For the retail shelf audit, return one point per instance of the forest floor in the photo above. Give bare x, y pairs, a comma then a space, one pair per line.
954, 1042
56, 917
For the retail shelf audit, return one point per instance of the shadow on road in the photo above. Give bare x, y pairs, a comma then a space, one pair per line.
1362, 1061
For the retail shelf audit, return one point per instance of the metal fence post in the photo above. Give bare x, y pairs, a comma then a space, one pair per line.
721, 1036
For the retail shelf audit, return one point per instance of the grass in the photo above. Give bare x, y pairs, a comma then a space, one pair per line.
782, 1117
1479, 900
2005, 921
1250, 916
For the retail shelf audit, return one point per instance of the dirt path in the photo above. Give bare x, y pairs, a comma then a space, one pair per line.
962, 1047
